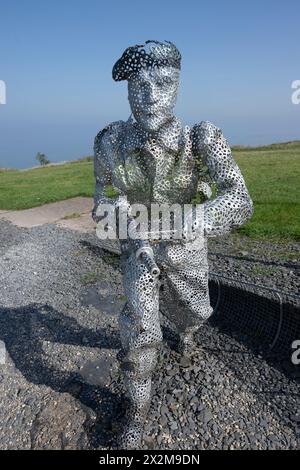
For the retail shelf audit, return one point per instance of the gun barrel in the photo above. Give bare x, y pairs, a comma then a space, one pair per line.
150, 264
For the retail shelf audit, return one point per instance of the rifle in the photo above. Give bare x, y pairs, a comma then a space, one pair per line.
142, 248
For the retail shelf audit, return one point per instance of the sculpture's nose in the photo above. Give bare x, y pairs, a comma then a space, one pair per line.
151, 94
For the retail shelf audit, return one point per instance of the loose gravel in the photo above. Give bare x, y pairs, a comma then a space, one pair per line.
272, 264
60, 295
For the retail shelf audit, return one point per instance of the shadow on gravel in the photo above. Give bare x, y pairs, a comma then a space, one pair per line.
108, 257
246, 343
24, 329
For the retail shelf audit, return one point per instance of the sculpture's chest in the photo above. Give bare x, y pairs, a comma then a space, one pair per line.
157, 174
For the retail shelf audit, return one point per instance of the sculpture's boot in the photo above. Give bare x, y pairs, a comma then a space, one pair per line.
137, 366
136, 414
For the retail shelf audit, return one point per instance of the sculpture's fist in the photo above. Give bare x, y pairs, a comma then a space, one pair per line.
193, 224
96, 217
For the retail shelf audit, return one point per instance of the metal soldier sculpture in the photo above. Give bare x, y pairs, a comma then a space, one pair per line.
154, 159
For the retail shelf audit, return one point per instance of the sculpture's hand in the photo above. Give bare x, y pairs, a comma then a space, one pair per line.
102, 206
193, 225
188, 230
96, 215
107, 205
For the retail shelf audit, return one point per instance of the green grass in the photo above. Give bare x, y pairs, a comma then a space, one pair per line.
31, 188
272, 175
88, 279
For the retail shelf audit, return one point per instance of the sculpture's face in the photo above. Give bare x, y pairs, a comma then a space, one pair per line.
152, 95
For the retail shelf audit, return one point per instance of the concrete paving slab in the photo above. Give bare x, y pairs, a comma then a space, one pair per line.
83, 223
70, 209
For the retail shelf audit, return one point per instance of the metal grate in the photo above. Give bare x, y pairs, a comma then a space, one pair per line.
270, 315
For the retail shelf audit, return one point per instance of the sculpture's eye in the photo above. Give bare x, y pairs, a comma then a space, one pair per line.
164, 82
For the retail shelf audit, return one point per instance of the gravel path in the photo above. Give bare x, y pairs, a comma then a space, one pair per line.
273, 264
60, 386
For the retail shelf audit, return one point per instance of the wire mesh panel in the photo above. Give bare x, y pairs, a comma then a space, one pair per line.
268, 315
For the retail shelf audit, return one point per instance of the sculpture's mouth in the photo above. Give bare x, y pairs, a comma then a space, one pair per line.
153, 112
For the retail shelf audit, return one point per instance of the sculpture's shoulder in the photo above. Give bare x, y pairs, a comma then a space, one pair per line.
205, 134
109, 137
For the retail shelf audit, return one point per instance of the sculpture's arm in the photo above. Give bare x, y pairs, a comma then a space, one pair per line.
102, 171
232, 206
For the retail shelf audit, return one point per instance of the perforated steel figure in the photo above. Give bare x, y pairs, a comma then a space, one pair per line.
155, 159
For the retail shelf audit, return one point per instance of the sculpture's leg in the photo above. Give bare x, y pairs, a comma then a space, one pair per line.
186, 294
140, 337
192, 287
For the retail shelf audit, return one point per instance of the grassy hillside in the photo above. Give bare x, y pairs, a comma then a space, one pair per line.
293, 145
31, 188
272, 175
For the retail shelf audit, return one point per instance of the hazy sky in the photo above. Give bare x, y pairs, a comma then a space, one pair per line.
239, 61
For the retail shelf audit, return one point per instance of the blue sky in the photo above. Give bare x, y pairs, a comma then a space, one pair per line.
56, 57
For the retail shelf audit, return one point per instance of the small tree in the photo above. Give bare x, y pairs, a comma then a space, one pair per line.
42, 159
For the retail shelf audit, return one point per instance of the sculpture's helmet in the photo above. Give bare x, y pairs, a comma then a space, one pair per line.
152, 54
